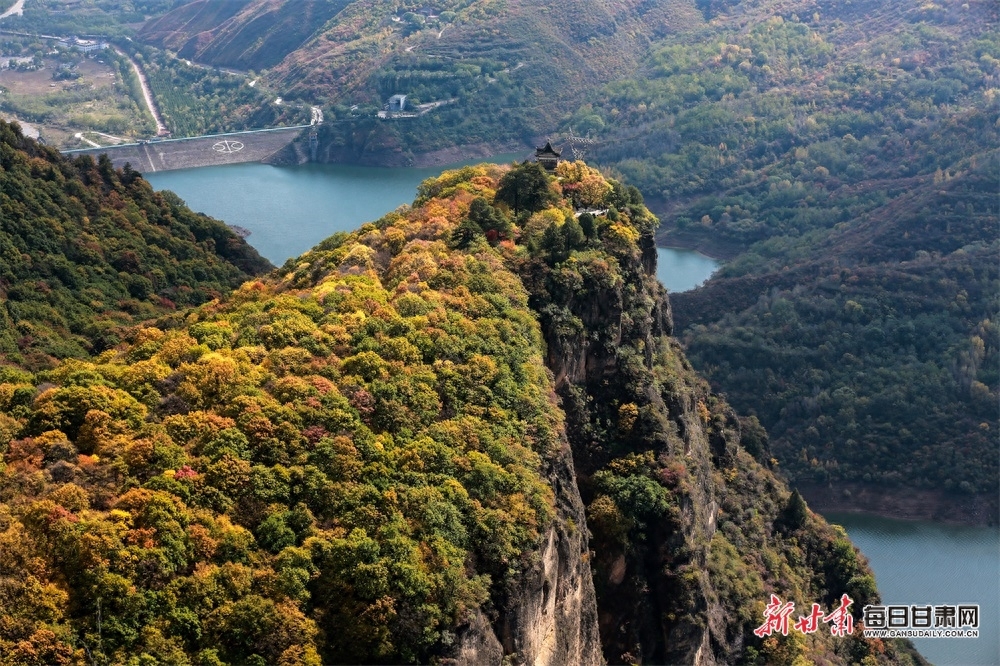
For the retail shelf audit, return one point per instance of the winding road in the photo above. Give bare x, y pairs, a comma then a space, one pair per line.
147, 93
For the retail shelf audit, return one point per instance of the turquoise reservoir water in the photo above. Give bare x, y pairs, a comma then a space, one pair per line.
288, 210
918, 562
681, 270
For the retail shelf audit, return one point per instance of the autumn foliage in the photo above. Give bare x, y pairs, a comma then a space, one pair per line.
343, 461
335, 463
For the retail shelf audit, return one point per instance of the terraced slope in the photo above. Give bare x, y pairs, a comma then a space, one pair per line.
513, 68
242, 35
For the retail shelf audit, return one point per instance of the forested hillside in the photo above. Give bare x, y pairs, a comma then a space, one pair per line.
87, 250
870, 352
105, 17
691, 527
464, 431
511, 70
362, 458
340, 463
846, 156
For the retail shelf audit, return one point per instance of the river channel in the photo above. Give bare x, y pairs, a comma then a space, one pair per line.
288, 210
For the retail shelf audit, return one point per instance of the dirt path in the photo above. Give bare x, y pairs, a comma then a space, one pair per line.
17, 8
147, 94
81, 137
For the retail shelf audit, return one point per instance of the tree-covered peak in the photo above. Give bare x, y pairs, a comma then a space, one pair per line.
339, 462
518, 211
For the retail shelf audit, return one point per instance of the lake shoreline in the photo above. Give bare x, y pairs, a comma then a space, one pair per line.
980, 510
922, 562
258, 204
295, 154
720, 251
670, 235
682, 269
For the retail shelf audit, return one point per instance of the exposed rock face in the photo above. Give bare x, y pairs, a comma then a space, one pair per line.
689, 532
555, 619
453, 490
639, 591
551, 617
479, 644
671, 482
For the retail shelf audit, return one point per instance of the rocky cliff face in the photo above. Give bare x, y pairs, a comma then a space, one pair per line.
359, 458
588, 367
555, 619
690, 528
551, 615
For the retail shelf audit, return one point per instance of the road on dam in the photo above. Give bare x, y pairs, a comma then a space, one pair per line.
168, 154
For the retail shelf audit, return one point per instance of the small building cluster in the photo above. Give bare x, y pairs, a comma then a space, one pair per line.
395, 107
85, 45
82, 45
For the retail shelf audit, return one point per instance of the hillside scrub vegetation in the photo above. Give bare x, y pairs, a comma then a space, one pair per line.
844, 156
880, 366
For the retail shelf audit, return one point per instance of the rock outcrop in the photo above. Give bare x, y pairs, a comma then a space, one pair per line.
551, 616
688, 534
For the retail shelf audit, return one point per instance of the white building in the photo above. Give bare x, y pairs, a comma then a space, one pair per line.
397, 103
87, 45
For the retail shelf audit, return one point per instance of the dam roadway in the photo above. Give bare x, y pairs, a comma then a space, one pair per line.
198, 151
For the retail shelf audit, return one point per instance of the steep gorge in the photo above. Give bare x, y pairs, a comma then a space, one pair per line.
691, 530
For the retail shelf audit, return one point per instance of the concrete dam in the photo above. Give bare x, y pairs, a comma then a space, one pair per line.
211, 150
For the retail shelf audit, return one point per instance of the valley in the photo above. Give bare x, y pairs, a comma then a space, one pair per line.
348, 191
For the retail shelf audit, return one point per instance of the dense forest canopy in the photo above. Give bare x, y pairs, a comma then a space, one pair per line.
764, 132
858, 317
351, 458
872, 354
